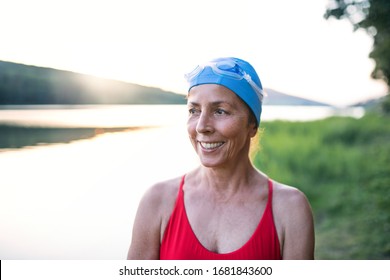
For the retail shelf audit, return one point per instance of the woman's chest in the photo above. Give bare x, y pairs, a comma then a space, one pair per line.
226, 227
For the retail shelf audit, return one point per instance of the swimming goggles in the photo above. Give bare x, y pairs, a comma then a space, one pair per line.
226, 68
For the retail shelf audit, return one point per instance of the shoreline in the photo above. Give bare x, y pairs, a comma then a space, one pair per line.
23, 136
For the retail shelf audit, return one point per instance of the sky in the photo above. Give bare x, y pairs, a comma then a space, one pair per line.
155, 42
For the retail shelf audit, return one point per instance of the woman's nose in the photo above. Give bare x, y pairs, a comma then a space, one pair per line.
204, 124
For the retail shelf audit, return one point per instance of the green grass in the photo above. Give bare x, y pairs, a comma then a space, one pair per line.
343, 166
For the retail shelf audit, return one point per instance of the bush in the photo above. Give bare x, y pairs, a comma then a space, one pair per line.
343, 166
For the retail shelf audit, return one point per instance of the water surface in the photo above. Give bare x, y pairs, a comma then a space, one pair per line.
71, 177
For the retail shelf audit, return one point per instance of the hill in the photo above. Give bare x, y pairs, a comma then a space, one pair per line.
277, 98
371, 103
25, 84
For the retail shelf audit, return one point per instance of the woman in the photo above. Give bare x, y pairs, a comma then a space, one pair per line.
226, 208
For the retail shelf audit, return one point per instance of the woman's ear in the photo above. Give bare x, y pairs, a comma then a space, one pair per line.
254, 128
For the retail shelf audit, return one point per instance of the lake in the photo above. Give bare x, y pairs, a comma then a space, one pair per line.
71, 177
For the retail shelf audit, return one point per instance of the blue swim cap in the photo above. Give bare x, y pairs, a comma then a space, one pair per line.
235, 74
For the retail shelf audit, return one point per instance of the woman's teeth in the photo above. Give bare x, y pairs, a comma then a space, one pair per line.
211, 146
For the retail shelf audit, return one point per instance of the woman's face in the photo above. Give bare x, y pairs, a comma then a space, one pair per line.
218, 125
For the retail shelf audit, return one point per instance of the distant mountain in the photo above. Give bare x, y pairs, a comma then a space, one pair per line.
370, 103
277, 98
25, 84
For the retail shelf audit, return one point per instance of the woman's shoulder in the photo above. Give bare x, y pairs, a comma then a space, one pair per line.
286, 194
290, 203
167, 187
162, 194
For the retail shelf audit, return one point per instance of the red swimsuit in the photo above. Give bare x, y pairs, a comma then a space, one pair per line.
180, 243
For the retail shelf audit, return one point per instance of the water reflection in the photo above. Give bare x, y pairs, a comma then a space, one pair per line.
23, 126
78, 200
12, 137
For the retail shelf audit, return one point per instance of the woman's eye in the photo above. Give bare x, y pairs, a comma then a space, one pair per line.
220, 112
192, 111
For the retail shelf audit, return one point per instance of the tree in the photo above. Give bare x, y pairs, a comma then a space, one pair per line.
374, 17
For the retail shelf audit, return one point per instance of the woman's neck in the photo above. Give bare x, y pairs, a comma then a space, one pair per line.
227, 179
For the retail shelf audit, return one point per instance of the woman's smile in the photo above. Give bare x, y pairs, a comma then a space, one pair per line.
210, 146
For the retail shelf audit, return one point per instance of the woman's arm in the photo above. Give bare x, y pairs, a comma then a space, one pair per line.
298, 227
145, 242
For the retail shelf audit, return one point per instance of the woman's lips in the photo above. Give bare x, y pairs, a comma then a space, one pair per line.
211, 145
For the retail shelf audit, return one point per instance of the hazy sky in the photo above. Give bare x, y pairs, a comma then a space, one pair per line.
154, 42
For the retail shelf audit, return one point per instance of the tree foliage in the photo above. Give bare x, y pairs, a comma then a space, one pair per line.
374, 17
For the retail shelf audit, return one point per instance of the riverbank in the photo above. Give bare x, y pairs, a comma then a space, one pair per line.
343, 166
16, 137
